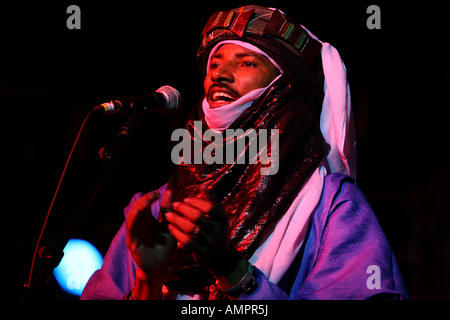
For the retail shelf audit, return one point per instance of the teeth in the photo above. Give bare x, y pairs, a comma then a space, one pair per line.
222, 96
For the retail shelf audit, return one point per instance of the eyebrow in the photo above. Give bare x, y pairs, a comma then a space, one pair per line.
239, 55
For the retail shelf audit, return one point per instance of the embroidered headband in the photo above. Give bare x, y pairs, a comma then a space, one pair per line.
259, 21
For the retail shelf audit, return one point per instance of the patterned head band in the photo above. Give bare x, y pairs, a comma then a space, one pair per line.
259, 21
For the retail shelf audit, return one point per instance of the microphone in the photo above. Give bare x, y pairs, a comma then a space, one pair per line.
165, 100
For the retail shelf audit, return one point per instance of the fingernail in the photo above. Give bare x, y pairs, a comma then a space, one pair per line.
175, 205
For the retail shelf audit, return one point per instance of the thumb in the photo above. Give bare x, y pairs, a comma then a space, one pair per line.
205, 193
166, 201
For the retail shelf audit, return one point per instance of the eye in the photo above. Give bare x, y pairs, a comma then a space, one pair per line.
214, 65
248, 64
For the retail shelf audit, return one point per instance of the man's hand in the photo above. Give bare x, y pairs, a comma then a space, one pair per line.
150, 245
200, 224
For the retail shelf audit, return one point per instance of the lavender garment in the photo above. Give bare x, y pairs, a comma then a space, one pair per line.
345, 255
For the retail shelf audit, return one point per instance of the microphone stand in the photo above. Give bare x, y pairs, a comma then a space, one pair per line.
52, 256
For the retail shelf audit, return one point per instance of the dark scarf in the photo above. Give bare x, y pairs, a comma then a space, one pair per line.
254, 202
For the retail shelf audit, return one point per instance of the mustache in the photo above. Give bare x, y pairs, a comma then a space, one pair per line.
222, 87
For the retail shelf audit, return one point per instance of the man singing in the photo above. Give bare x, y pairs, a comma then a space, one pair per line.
218, 231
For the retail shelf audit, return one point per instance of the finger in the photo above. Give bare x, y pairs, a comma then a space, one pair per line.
140, 219
141, 208
188, 211
204, 192
211, 210
185, 239
198, 215
179, 235
181, 223
167, 199
150, 197
203, 205
144, 202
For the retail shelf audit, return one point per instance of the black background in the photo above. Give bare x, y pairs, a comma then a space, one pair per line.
51, 77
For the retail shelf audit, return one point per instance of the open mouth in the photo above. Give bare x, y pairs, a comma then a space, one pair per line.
222, 96
219, 97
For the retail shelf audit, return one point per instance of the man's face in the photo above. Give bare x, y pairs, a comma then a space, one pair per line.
235, 71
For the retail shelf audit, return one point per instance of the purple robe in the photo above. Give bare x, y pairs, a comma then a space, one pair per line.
345, 255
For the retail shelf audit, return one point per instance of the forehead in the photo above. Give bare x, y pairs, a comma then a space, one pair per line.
230, 50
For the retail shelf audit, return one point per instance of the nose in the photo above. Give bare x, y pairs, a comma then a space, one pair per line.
221, 74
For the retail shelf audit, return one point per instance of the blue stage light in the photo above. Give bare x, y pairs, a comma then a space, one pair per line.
81, 259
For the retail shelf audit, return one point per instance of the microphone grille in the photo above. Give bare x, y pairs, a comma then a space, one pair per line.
172, 98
